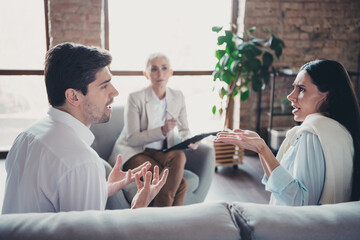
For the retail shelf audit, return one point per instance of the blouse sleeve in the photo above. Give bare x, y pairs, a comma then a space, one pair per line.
299, 179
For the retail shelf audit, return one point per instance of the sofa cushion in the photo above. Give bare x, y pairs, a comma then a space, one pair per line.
198, 221
260, 221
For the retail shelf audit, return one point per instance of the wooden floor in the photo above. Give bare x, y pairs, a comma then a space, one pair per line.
229, 184
241, 184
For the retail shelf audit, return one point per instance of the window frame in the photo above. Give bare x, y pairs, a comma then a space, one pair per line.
26, 72
234, 15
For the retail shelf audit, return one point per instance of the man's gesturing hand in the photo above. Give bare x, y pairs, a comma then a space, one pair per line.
146, 193
118, 179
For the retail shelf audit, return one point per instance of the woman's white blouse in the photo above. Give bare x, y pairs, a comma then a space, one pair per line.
300, 177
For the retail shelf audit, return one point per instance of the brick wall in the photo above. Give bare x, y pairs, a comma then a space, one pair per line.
310, 29
76, 21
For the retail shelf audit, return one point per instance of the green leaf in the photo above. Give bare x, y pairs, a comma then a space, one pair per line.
275, 42
267, 30
222, 92
224, 61
267, 59
242, 46
226, 77
265, 75
256, 40
252, 65
221, 40
247, 66
256, 82
231, 47
238, 37
278, 52
251, 30
245, 95
281, 43
229, 35
216, 29
251, 51
235, 55
235, 92
213, 109
235, 67
220, 54
216, 75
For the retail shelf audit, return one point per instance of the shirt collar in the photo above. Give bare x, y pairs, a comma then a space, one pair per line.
156, 99
67, 119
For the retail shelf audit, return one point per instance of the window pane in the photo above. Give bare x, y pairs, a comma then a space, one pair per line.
23, 38
23, 100
199, 98
180, 29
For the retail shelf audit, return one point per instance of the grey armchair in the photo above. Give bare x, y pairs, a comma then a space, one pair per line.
199, 168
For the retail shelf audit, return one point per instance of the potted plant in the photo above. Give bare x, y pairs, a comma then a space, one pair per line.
244, 63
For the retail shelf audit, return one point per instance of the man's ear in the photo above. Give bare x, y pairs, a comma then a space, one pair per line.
72, 97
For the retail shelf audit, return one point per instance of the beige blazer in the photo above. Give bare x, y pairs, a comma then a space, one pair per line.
135, 134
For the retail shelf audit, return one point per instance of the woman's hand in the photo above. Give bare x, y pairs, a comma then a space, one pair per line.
244, 139
118, 179
194, 146
169, 125
145, 194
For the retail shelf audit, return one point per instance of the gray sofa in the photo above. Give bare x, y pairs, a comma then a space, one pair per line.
201, 221
199, 168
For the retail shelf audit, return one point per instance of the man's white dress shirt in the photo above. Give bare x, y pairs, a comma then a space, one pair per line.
51, 168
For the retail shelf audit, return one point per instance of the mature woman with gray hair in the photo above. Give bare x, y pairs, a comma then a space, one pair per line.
151, 115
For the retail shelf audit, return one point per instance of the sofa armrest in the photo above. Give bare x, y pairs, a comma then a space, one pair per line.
331, 221
201, 162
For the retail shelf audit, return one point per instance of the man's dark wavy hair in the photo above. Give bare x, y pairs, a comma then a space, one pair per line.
70, 65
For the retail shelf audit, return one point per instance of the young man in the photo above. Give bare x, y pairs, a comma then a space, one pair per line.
51, 166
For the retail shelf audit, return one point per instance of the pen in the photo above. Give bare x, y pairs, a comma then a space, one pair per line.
178, 122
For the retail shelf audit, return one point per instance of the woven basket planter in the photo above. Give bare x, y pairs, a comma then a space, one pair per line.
228, 155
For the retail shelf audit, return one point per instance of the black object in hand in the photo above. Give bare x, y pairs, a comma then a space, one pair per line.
185, 144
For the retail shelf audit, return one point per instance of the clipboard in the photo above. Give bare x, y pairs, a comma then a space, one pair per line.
184, 144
